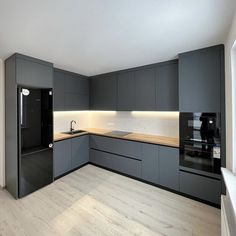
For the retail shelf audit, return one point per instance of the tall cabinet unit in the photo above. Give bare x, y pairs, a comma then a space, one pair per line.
20, 70
202, 90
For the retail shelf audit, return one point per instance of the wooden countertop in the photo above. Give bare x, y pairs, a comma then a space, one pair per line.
146, 138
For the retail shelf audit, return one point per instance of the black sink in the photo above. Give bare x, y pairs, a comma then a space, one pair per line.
74, 132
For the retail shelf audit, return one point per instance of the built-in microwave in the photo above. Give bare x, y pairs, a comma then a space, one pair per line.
200, 141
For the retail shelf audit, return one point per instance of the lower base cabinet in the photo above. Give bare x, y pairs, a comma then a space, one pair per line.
62, 157
169, 167
115, 162
202, 187
70, 154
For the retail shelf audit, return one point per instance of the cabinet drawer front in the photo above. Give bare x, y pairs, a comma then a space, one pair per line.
201, 187
101, 158
117, 146
127, 166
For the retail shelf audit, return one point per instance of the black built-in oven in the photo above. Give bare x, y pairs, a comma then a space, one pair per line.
200, 141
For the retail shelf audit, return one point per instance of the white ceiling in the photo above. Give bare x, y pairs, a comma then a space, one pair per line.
96, 36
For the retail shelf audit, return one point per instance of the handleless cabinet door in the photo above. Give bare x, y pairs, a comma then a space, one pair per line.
34, 72
62, 157
80, 151
169, 167
103, 92
167, 87
200, 80
145, 92
126, 92
58, 92
150, 166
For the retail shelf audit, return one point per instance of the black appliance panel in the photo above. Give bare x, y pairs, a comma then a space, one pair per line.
35, 139
199, 140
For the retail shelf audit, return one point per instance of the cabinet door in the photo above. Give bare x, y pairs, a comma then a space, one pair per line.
80, 151
103, 91
76, 92
150, 168
169, 167
126, 92
76, 102
145, 93
199, 80
34, 72
201, 187
62, 157
76, 84
167, 87
58, 92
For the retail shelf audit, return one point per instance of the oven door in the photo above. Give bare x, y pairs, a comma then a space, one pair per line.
200, 127
199, 155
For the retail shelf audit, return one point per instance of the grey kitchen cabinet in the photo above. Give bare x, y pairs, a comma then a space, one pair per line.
167, 86
145, 92
71, 91
150, 165
127, 165
103, 92
202, 187
62, 157
101, 158
76, 84
79, 151
117, 146
33, 72
70, 154
59, 95
126, 91
169, 167
200, 75
75, 102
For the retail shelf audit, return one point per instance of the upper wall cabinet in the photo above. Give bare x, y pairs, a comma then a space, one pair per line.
71, 91
125, 91
33, 72
103, 92
145, 93
200, 75
167, 91
59, 96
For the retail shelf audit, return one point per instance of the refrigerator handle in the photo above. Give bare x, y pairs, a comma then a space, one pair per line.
21, 108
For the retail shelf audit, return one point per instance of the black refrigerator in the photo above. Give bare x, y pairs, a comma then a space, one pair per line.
35, 137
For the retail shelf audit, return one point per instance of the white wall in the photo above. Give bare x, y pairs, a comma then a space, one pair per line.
2, 126
229, 95
159, 123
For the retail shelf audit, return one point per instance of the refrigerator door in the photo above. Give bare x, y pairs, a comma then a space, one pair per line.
35, 139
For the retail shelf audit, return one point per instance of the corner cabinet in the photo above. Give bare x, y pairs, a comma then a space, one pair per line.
71, 91
70, 154
201, 73
103, 92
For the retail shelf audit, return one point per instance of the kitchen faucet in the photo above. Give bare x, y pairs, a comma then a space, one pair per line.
71, 126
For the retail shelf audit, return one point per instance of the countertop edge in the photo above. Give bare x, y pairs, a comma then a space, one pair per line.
67, 136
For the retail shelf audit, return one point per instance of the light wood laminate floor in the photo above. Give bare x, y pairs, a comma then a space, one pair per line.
93, 201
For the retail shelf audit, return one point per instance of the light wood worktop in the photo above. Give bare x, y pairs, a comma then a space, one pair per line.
146, 138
